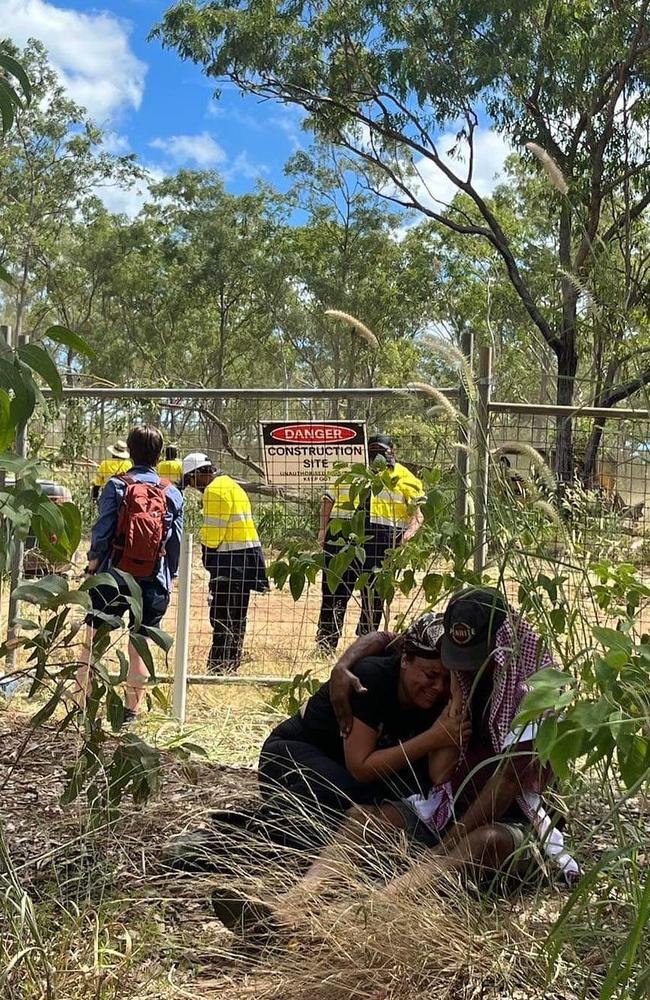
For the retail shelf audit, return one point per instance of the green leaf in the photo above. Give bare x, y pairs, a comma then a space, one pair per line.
61, 335
546, 737
12, 66
569, 745
48, 709
296, 584
611, 638
162, 639
7, 104
40, 361
634, 764
142, 647
6, 277
7, 429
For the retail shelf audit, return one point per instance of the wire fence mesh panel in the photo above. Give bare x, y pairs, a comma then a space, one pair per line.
572, 532
78, 439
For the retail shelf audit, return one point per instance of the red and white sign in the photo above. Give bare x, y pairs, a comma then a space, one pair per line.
302, 454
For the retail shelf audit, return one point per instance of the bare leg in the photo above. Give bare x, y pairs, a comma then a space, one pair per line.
82, 677
254, 916
486, 848
136, 680
361, 824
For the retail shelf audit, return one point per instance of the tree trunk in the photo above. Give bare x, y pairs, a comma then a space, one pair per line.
567, 366
591, 454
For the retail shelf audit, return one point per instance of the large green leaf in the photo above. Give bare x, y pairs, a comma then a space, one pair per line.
62, 335
7, 429
40, 361
16, 69
8, 100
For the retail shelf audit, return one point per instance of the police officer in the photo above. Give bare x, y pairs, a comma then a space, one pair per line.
392, 517
233, 556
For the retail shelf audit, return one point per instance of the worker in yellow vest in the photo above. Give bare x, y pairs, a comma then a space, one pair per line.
171, 467
232, 554
392, 517
118, 463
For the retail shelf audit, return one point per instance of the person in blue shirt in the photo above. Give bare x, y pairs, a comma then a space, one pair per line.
145, 446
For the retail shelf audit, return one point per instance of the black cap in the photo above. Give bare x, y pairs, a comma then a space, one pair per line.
423, 636
472, 620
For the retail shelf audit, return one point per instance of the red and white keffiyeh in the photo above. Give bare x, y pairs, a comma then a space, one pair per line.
519, 653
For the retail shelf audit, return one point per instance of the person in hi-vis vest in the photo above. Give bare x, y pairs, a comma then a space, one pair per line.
232, 554
392, 517
119, 462
170, 467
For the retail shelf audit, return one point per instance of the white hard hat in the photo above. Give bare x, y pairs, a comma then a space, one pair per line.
195, 460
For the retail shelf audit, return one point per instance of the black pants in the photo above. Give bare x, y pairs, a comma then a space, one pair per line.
334, 603
306, 792
229, 599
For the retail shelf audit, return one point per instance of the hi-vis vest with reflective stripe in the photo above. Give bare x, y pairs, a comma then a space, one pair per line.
111, 467
227, 517
393, 507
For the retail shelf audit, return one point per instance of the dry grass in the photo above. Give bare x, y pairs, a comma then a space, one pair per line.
117, 924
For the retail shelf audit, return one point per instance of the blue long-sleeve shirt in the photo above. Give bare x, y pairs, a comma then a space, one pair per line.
105, 528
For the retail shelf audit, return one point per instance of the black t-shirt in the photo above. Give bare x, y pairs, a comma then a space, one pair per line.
378, 708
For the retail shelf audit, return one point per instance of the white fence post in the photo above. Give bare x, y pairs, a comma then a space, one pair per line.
179, 692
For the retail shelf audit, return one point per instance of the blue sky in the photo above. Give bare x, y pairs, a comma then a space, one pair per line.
151, 103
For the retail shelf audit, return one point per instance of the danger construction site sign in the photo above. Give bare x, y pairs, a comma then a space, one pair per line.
302, 454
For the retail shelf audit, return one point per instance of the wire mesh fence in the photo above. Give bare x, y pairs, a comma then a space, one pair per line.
600, 517
74, 437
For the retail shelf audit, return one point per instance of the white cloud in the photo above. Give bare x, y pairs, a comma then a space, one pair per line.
241, 166
435, 190
129, 200
200, 150
90, 52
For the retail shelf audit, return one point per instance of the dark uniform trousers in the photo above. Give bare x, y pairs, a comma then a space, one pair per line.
334, 603
233, 575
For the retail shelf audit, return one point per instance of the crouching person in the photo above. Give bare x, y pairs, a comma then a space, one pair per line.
138, 531
485, 806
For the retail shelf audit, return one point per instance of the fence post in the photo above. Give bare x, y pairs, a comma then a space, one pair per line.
462, 454
482, 450
17, 558
179, 691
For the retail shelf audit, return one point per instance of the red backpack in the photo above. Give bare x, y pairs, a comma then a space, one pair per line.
140, 537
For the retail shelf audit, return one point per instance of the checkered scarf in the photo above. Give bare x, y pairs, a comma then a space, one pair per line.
519, 652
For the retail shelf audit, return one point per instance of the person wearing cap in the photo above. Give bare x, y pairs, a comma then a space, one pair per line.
118, 463
232, 554
171, 467
392, 517
486, 800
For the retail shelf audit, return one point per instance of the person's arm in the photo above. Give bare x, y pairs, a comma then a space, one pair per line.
343, 683
366, 763
496, 796
103, 532
443, 762
413, 525
173, 544
325, 510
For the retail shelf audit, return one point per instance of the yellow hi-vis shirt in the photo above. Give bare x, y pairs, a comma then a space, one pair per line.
227, 517
111, 467
393, 507
170, 468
